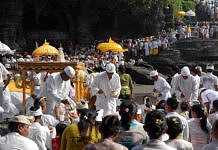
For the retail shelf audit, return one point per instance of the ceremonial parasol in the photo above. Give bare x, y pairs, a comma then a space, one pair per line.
110, 46
181, 13
4, 49
45, 50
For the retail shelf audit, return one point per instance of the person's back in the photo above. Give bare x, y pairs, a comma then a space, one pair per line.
180, 144
106, 144
154, 145
71, 139
14, 141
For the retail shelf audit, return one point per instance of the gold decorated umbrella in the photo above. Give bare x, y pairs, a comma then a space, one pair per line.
110, 46
45, 50
181, 13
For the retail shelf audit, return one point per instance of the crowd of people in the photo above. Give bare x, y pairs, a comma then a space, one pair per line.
183, 115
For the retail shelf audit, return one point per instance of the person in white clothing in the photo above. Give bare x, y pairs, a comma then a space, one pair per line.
38, 133
4, 74
171, 107
161, 86
106, 87
207, 97
213, 145
17, 139
209, 81
174, 130
186, 86
57, 88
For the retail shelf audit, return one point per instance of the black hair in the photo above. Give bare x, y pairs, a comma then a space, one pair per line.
174, 125
173, 103
13, 126
215, 127
122, 69
60, 128
198, 109
184, 106
36, 104
155, 124
86, 121
110, 126
127, 110
161, 105
148, 102
210, 70
215, 105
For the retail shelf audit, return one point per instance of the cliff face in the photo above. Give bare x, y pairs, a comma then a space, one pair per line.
198, 49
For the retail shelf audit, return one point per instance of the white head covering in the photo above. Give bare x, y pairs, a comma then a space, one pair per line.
210, 66
153, 73
185, 71
139, 111
69, 71
38, 112
110, 68
21, 119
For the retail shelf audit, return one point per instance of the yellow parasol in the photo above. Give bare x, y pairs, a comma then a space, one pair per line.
110, 46
181, 13
45, 50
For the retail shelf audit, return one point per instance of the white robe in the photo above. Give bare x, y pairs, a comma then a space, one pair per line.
188, 87
209, 81
56, 90
3, 73
40, 135
6, 103
111, 89
162, 87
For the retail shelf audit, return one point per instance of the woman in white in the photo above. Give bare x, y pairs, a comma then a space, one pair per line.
199, 127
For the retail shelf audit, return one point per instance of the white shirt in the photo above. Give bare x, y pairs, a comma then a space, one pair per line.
209, 80
189, 87
40, 135
180, 144
173, 83
14, 141
185, 131
56, 90
209, 96
198, 80
6, 103
162, 87
3, 73
111, 89
211, 146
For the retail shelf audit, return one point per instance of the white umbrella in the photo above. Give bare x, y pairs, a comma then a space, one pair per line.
190, 13
4, 49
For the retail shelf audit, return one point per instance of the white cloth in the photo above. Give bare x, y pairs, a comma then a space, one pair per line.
14, 141
56, 90
154, 145
173, 83
111, 89
189, 88
6, 103
49, 120
198, 80
208, 81
185, 132
209, 96
180, 144
198, 137
162, 87
3, 73
40, 135
211, 146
